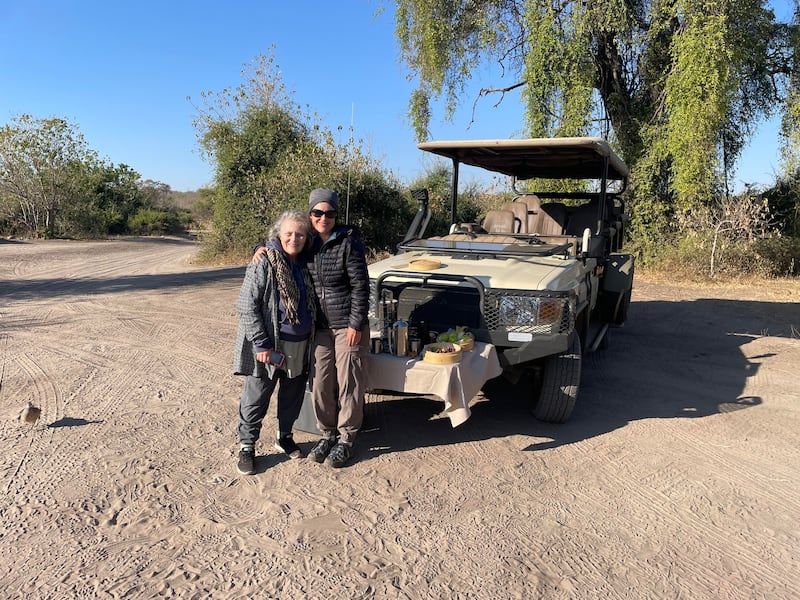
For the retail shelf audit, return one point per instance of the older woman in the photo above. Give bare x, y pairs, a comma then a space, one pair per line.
276, 309
341, 343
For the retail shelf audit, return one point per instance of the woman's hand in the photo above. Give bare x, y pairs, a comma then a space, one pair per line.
257, 257
353, 336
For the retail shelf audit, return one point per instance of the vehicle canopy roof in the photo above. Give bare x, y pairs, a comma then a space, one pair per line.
545, 158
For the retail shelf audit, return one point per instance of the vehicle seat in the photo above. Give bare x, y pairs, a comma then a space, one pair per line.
499, 221
552, 219
520, 210
533, 204
583, 216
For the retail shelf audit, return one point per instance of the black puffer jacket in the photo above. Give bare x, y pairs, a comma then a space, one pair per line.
339, 270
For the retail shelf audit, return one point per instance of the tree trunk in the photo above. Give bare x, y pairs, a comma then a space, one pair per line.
616, 96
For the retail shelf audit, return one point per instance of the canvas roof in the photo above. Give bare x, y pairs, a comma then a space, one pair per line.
547, 158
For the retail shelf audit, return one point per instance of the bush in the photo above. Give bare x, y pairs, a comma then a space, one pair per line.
768, 257
378, 208
269, 153
86, 217
688, 258
779, 256
149, 221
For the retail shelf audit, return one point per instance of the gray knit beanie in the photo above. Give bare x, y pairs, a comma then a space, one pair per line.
323, 195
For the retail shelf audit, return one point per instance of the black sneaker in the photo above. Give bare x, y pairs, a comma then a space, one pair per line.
247, 461
339, 455
286, 445
321, 450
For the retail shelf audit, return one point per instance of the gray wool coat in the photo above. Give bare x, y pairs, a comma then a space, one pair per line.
258, 321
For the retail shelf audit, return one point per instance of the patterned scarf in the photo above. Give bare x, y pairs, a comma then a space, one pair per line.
287, 286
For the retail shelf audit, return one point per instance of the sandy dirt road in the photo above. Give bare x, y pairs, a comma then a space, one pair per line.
677, 477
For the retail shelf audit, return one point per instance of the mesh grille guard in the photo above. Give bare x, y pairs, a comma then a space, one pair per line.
534, 312
501, 312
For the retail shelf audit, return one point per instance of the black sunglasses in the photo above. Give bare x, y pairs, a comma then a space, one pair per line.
331, 214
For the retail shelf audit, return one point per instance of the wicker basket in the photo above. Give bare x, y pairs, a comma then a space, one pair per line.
441, 358
424, 264
466, 343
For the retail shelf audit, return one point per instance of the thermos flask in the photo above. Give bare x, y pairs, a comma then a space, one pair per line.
400, 335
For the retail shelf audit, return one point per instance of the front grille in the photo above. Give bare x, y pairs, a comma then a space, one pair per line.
505, 311
441, 307
538, 313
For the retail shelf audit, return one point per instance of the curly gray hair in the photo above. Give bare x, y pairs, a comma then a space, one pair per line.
298, 216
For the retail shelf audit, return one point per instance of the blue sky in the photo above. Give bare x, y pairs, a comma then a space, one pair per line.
121, 72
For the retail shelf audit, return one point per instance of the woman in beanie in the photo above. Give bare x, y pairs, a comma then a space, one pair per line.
339, 271
276, 309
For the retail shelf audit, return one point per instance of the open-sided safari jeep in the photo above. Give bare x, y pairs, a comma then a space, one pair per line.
542, 279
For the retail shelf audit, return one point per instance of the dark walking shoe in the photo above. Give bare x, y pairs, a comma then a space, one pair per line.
339, 455
286, 445
247, 461
321, 450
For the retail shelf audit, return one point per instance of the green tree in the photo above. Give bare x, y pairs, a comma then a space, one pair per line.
41, 161
203, 207
248, 133
52, 184
437, 179
268, 153
678, 85
105, 197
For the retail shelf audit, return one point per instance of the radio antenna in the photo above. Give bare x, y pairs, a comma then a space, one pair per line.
349, 165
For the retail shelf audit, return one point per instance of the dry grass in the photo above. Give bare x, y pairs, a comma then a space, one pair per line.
783, 289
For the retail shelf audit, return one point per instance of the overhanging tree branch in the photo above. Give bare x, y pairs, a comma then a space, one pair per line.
486, 91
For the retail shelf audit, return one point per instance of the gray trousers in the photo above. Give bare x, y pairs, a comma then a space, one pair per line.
253, 406
338, 383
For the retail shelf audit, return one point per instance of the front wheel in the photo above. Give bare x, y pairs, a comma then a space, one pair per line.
561, 378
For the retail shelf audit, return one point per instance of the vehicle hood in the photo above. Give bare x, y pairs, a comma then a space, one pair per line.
554, 273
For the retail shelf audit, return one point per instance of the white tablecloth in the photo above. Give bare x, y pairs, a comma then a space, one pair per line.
455, 384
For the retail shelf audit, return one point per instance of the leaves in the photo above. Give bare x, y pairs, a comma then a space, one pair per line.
39, 160
269, 153
676, 85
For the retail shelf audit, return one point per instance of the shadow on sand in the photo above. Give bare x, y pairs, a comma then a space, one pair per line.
72, 422
23, 289
672, 360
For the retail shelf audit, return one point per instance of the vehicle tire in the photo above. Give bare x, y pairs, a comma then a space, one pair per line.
561, 378
582, 326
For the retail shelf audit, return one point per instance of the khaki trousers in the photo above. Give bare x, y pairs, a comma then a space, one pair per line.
338, 383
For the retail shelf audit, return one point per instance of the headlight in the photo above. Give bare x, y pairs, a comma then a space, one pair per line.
534, 314
549, 311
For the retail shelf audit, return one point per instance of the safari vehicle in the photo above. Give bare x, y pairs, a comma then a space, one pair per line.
541, 279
